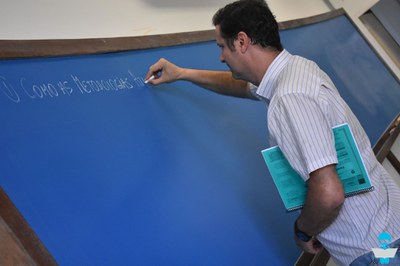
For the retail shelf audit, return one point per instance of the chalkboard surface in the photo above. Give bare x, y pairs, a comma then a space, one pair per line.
110, 171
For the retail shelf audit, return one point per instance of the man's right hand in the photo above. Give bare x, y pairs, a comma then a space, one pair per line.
164, 72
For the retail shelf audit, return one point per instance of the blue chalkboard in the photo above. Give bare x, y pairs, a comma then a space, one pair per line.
110, 171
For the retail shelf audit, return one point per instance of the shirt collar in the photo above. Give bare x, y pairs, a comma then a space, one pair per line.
267, 85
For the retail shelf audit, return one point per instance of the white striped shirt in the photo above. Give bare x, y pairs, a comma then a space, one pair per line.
304, 105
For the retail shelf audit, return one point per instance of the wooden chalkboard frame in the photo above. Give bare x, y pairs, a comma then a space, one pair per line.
12, 49
28, 245
17, 49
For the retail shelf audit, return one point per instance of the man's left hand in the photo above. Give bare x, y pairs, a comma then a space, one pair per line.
313, 246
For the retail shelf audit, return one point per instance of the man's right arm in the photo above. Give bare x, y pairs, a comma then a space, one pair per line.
220, 82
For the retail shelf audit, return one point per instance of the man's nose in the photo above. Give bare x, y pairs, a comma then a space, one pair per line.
222, 59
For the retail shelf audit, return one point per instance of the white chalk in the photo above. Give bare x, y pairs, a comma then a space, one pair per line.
151, 77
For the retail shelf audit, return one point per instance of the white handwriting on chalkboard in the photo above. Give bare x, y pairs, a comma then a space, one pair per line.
48, 90
88, 86
8, 90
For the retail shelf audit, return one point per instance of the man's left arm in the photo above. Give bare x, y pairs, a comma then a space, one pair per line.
325, 198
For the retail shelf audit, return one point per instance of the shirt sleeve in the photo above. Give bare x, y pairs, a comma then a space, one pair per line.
303, 133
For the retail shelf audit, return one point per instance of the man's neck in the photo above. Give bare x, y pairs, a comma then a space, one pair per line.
261, 59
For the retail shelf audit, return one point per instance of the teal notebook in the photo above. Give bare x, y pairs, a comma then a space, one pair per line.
350, 168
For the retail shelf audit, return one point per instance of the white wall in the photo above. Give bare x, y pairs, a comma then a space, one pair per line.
59, 19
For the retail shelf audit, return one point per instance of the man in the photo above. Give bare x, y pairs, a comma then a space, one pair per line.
303, 107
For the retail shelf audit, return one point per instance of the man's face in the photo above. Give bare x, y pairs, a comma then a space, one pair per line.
228, 56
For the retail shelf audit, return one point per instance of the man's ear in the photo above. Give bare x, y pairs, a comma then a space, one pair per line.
244, 41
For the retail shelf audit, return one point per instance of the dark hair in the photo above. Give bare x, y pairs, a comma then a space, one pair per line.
252, 17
